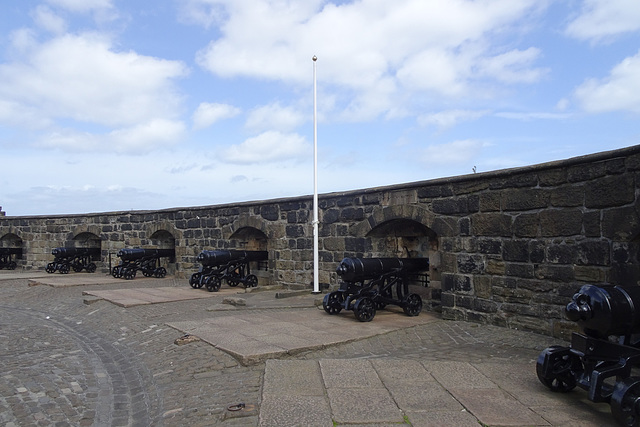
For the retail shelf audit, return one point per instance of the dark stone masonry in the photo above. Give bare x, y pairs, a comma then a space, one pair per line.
506, 248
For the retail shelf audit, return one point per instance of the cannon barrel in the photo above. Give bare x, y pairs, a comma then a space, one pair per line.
606, 310
139, 253
10, 251
218, 257
69, 252
359, 269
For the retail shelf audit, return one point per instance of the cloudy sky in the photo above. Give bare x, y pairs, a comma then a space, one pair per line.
110, 105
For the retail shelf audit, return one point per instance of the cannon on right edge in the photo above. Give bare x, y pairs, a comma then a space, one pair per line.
77, 259
605, 359
6, 258
145, 260
230, 265
371, 284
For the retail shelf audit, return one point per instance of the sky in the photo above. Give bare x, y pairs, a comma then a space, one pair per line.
117, 105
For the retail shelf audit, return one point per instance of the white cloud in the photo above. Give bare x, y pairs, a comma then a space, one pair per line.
378, 54
82, 78
274, 117
47, 19
620, 91
270, 146
82, 6
208, 113
450, 118
138, 139
600, 19
453, 153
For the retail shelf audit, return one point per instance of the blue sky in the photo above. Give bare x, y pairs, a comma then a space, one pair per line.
112, 105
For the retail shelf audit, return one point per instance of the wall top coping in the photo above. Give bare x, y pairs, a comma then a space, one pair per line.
500, 173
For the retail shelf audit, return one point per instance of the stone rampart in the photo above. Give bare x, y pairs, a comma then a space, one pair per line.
508, 247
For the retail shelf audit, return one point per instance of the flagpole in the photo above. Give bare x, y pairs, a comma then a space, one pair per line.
316, 284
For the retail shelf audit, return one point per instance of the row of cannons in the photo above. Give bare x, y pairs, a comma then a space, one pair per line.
132, 260
367, 284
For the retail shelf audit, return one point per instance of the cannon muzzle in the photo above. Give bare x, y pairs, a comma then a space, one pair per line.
606, 310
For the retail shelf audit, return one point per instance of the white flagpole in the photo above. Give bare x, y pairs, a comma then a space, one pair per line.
316, 284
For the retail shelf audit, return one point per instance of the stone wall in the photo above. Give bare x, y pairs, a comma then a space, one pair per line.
508, 247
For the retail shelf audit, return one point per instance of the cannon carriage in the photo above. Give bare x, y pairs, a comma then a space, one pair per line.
373, 283
145, 260
605, 359
233, 266
6, 258
77, 259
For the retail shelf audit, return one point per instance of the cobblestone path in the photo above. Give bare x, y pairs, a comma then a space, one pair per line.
67, 363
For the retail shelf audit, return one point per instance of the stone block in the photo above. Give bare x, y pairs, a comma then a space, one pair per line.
561, 254
491, 224
524, 270
620, 223
556, 273
525, 199
489, 202
610, 192
495, 267
470, 264
515, 250
561, 222
526, 225
593, 252
450, 206
552, 177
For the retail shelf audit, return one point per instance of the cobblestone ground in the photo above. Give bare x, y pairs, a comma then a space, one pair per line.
66, 363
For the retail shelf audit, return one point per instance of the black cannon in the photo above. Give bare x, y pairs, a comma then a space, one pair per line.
369, 284
604, 360
230, 265
73, 258
145, 260
6, 258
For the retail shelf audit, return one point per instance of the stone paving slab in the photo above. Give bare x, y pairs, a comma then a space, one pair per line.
371, 392
141, 296
57, 280
291, 332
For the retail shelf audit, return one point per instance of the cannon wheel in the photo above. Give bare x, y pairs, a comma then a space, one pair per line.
64, 268
194, 280
625, 402
147, 272
91, 268
213, 283
12, 265
412, 305
51, 268
77, 267
251, 281
160, 272
129, 273
364, 309
117, 272
233, 281
561, 367
332, 302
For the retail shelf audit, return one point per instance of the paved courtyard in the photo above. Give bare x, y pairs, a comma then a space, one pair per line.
71, 355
